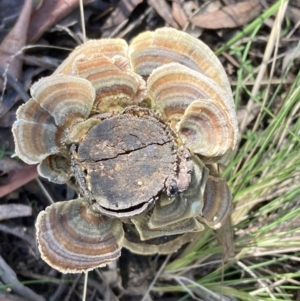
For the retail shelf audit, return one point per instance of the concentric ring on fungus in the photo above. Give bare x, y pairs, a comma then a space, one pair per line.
141, 129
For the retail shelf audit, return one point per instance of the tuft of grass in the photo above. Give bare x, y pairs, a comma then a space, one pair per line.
263, 174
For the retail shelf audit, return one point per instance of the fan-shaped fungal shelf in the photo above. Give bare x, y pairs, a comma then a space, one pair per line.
140, 128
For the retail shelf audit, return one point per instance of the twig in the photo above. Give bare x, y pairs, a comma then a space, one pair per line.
250, 272
82, 21
67, 298
9, 277
18, 87
186, 288
110, 294
204, 291
8, 211
197, 266
156, 277
86, 276
60, 289
48, 196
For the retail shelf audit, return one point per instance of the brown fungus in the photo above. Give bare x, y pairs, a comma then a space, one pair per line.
74, 239
145, 175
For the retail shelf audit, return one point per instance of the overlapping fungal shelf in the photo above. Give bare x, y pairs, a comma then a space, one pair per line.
141, 129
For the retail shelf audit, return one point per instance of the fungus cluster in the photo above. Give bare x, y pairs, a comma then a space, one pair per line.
140, 129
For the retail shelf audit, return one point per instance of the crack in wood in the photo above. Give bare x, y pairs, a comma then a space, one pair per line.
125, 161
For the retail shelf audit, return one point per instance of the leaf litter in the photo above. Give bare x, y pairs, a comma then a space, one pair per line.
22, 198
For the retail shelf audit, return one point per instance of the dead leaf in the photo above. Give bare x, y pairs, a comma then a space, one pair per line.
8, 164
12, 96
48, 14
230, 16
179, 14
13, 43
209, 7
293, 13
118, 16
18, 178
8, 211
225, 238
8, 118
190, 7
9, 13
163, 10
295, 3
290, 55
229, 2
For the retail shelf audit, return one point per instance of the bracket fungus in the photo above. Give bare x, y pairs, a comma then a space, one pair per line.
141, 129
